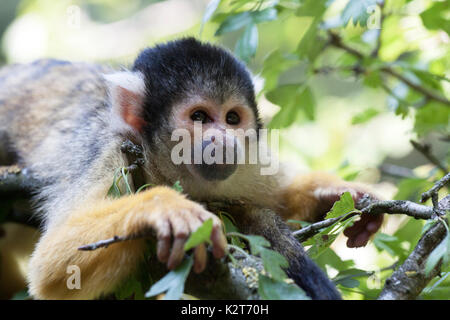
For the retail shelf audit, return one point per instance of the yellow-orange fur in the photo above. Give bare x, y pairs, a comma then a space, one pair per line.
102, 270
302, 198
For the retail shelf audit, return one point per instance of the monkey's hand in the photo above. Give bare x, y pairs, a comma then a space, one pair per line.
174, 218
310, 197
362, 230
160, 209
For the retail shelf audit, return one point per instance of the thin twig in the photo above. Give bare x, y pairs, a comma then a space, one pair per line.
305, 233
382, 17
336, 41
397, 171
103, 243
416, 104
437, 186
415, 86
425, 149
408, 208
433, 193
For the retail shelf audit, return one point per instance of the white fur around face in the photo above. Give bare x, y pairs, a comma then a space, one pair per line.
132, 81
133, 86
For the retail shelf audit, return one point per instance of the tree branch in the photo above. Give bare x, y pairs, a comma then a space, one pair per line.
410, 279
408, 208
427, 93
336, 41
435, 189
373, 207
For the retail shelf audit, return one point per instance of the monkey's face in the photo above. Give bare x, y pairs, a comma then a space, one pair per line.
192, 103
208, 137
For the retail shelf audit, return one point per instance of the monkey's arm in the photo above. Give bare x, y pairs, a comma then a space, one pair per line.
309, 197
160, 209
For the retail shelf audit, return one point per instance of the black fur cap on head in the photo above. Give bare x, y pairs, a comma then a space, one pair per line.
184, 67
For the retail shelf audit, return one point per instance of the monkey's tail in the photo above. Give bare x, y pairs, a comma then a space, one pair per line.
308, 276
305, 273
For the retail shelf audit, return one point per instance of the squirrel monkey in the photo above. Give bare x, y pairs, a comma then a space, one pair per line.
66, 122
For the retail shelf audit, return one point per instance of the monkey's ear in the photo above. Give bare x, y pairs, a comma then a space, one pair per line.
127, 90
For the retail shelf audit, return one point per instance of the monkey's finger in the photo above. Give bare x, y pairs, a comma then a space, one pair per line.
218, 239
194, 223
177, 253
219, 242
200, 258
375, 222
163, 236
180, 226
361, 239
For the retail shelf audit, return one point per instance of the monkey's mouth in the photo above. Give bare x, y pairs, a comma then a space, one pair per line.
210, 167
212, 172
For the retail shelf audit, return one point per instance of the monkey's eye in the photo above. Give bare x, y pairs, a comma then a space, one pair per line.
199, 116
233, 118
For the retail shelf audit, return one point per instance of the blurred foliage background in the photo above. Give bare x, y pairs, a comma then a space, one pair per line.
348, 82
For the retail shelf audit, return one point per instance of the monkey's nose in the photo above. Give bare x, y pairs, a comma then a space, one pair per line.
215, 163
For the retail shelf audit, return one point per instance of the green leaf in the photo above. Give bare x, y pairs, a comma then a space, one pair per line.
356, 11
265, 15
114, 191
408, 234
230, 227
293, 99
392, 39
365, 116
199, 236
124, 172
131, 288
274, 263
242, 19
274, 64
227, 222
177, 187
321, 241
330, 258
21, 295
209, 11
310, 45
412, 189
429, 79
234, 22
348, 283
346, 278
442, 251
373, 79
436, 17
271, 289
434, 116
173, 282
247, 43
343, 206
257, 243
312, 8
390, 244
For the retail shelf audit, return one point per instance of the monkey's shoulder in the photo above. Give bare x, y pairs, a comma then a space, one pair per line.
51, 74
